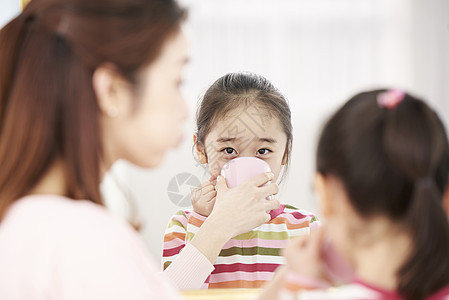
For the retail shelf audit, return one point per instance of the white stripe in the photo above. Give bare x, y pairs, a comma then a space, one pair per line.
298, 232
305, 212
192, 228
267, 228
275, 228
175, 228
246, 259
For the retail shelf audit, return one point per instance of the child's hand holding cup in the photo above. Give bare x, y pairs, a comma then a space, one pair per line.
203, 197
235, 172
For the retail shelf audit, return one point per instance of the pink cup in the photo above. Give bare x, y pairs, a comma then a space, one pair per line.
241, 169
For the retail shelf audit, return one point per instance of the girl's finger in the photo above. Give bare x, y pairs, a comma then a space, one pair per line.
209, 196
202, 185
213, 178
207, 189
221, 184
270, 189
261, 179
270, 204
212, 202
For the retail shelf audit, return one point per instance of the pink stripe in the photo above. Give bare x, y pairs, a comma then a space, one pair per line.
222, 277
173, 251
180, 218
255, 243
299, 215
198, 216
173, 243
295, 219
257, 267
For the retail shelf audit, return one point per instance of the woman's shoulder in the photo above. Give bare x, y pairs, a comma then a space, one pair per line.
48, 209
58, 241
61, 221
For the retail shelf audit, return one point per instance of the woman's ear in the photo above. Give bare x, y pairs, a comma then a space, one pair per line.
199, 150
113, 92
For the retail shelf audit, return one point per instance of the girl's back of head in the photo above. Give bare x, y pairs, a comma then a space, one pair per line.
48, 107
391, 153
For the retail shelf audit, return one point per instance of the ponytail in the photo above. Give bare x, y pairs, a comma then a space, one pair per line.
427, 269
419, 151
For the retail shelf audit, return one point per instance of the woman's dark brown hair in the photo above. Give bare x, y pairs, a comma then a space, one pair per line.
394, 162
48, 108
236, 90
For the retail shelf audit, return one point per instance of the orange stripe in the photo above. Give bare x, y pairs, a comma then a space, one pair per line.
293, 287
196, 222
237, 284
289, 225
174, 235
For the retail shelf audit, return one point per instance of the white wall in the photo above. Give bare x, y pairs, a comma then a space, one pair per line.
318, 52
8, 9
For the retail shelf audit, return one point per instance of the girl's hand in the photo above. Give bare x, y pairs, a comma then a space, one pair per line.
203, 197
303, 255
245, 207
235, 211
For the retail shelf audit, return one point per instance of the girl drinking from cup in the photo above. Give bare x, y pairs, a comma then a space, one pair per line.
241, 115
382, 175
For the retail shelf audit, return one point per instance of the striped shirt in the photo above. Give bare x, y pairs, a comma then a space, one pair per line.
247, 260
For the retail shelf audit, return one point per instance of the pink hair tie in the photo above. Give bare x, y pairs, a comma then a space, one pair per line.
390, 99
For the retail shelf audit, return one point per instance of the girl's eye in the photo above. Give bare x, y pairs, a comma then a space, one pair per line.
229, 150
263, 151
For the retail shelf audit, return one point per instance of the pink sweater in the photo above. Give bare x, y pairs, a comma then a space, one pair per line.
53, 247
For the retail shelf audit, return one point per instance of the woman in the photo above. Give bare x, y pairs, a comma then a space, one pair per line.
82, 84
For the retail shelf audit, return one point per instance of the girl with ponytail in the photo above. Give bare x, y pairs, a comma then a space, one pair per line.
382, 173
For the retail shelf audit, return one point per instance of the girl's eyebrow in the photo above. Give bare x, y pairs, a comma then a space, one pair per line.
225, 140
268, 140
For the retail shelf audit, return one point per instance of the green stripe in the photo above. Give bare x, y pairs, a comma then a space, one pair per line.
253, 235
250, 251
288, 206
189, 236
175, 222
262, 235
314, 218
181, 213
166, 264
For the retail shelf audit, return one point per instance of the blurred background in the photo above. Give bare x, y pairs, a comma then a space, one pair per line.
317, 52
